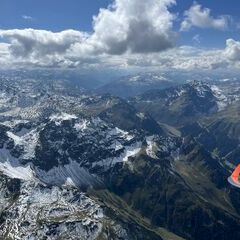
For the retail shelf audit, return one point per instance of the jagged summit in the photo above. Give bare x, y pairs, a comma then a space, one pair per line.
185, 101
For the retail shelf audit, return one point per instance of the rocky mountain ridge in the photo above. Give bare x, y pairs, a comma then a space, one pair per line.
76, 165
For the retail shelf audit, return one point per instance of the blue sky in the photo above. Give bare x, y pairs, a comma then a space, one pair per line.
177, 34
55, 15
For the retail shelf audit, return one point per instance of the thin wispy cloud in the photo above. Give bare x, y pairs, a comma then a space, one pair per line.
196, 39
26, 17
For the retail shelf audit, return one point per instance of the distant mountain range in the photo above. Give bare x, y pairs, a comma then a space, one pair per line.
136, 84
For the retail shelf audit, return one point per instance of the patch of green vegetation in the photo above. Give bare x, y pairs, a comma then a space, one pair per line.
121, 208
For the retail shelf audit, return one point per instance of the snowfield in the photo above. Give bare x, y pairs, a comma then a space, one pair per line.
11, 167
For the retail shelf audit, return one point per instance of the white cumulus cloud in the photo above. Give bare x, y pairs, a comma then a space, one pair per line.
198, 16
134, 26
232, 50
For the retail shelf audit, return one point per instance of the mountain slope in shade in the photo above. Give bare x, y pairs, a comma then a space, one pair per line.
219, 133
183, 189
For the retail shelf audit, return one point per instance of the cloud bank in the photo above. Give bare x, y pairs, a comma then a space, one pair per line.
38, 43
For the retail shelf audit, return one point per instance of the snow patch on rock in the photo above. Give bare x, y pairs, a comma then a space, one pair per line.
150, 147
128, 151
222, 100
82, 125
28, 141
11, 167
60, 117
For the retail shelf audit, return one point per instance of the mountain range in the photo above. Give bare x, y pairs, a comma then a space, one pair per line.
104, 163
